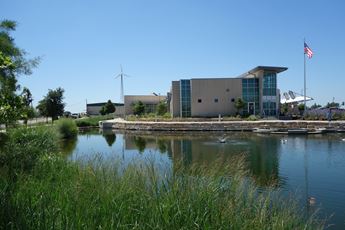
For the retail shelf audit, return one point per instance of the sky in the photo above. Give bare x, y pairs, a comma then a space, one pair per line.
82, 44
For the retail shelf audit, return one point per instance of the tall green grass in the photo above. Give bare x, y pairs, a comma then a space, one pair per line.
64, 195
39, 189
24, 146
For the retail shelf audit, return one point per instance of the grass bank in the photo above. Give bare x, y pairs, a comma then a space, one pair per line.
59, 194
92, 121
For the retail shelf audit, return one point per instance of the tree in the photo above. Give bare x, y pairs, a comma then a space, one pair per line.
284, 108
52, 104
109, 107
301, 108
239, 104
28, 112
162, 108
332, 105
102, 111
13, 62
315, 106
9, 48
138, 108
10, 102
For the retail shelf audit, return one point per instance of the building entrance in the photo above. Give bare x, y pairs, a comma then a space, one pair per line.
251, 108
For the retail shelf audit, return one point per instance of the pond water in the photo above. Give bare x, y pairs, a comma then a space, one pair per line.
308, 166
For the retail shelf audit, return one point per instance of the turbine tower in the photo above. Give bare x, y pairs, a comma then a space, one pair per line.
122, 75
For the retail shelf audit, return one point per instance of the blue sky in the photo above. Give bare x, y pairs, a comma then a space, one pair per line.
83, 42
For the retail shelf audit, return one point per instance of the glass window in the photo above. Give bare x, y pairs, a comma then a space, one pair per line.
250, 93
269, 108
270, 84
185, 98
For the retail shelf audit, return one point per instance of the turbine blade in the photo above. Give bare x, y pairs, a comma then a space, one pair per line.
126, 75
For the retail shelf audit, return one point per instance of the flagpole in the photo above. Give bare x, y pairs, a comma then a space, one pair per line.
305, 79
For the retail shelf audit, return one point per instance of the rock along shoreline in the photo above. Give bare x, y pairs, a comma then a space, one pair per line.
333, 126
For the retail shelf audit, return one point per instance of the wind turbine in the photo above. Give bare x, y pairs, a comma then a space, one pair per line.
122, 75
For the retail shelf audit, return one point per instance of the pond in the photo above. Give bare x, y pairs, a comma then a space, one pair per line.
310, 167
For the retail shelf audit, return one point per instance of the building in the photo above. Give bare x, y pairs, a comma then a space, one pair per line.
210, 97
150, 102
95, 108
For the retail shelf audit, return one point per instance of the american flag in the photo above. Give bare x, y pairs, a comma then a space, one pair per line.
308, 51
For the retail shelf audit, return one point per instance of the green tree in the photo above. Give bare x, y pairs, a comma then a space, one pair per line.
162, 108
301, 108
109, 107
9, 48
13, 62
332, 105
239, 104
102, 111
315, 106
138, 108
10, 103
28, 112
284, 108
52, 104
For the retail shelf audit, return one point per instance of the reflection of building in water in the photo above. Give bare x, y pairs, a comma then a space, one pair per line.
264, 161
260, 154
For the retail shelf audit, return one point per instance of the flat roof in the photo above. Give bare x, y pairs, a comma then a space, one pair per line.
275, 69
103, 103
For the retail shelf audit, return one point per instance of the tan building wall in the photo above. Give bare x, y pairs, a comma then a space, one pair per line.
147, 100
211, 97
175, 99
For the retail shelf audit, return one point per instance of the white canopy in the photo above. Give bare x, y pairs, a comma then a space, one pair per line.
292, 97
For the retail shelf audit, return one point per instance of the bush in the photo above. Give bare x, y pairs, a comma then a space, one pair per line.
67, 128
253, 118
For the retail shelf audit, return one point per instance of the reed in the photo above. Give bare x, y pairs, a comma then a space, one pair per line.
65, 195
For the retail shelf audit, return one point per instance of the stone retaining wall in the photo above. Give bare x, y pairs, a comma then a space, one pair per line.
221, 126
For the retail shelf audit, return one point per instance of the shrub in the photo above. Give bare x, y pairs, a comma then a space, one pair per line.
252, 118
67, 128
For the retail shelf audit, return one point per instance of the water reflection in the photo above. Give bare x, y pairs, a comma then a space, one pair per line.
68, 145
261, 154
110, 138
